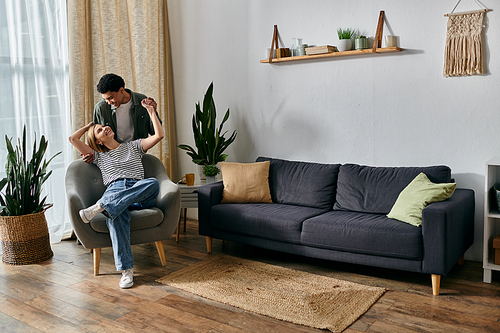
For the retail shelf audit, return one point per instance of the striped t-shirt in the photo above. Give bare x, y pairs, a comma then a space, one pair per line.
122, 162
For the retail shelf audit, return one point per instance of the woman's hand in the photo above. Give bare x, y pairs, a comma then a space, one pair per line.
150, 105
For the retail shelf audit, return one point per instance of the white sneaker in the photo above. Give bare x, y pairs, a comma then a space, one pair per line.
127, 279
88, 214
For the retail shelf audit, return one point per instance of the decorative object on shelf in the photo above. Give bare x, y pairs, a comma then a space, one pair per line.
302, 49
320, 49
496, 246
210, 141
463, 55
496, 189
23, 227
210, 171
345, 39
376, 49
268, 52
283, 52
296, 46
361, 43
391, 41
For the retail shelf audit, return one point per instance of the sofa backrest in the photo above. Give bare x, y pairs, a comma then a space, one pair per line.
375, 189
302, 183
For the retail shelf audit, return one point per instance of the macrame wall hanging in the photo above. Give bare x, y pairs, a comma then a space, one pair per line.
463, 49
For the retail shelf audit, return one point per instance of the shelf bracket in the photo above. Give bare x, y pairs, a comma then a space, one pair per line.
273, 43
377, 43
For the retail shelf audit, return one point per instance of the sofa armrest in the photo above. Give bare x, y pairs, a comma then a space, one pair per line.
448, 231
208, 196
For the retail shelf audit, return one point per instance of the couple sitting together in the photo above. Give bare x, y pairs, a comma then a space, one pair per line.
117, 140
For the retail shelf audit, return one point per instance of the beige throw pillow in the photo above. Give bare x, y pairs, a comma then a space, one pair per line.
245, 182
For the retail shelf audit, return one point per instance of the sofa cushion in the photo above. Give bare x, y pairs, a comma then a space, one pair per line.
416, 196
245, 182
269, 221
369, 189
354, 232
302, 183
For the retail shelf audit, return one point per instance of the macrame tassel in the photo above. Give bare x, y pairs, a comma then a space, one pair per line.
463, 50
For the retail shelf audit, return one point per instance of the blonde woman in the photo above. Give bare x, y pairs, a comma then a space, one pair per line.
123, 175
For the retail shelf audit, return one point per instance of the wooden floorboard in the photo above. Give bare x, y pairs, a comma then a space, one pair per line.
63, 295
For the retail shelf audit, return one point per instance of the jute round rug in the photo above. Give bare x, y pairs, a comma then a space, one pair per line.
278, 292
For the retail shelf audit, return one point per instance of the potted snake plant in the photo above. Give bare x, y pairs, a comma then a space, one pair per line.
23, 228
210, 140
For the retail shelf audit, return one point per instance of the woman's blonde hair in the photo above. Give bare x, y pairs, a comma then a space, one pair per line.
92, 141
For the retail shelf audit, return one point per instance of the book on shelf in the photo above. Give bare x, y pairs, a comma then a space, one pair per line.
320, 49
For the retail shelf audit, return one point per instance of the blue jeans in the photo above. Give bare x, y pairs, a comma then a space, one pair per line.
121, 196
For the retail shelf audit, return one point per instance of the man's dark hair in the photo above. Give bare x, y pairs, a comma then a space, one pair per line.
110, 82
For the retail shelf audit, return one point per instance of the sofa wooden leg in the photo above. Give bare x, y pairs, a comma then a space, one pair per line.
461, 260
161, 252
97, 261
209, 244
436, 282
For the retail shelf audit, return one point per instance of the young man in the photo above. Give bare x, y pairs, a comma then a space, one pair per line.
121, 110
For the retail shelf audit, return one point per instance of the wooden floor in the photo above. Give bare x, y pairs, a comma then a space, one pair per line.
62, 295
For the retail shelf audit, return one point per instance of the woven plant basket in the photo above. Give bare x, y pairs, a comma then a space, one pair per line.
25, 239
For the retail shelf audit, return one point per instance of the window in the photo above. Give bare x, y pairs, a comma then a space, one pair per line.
34, 90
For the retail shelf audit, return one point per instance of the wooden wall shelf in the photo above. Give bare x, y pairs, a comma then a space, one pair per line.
335, 54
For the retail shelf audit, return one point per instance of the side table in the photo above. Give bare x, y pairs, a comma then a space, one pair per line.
189, 199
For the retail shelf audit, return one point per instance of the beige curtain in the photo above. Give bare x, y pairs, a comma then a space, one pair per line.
129, 38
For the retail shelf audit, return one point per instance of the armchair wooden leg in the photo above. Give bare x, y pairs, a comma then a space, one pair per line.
161, 252
209, 244
436, 282
177, 232
461, 260
97, 261
185, 217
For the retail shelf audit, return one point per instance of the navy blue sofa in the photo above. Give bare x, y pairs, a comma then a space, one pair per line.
338, 212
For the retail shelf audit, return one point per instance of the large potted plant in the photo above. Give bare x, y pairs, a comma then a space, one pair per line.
210, 140
23, 228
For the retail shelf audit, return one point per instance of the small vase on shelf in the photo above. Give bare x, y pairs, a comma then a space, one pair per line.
344, 45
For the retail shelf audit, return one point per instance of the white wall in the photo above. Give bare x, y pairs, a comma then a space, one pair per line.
383, 110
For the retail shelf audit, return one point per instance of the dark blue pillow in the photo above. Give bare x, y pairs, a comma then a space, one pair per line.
369, 189
302, 183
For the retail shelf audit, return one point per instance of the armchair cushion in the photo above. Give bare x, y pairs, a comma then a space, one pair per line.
140, 219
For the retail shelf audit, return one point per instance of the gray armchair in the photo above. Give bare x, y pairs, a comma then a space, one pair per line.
84, 187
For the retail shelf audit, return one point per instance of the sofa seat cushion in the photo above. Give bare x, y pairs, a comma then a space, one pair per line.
368, 189
302, 183
269, 221
363, 233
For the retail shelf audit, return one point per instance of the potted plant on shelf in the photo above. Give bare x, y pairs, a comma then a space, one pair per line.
361, 42
23, 227
345, 39
209, 139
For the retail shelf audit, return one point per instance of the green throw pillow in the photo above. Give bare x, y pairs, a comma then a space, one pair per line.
416, 196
